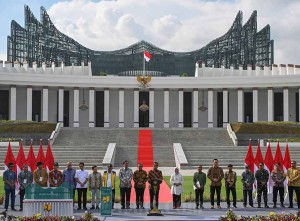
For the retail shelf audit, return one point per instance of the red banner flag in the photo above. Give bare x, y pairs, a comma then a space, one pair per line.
286, 159
269, 165
21, 160
249, 159
49, 158
31, 160
41, 156
278, 156
9, 157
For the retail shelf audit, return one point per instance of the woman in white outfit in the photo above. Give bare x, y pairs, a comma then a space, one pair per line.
176, 181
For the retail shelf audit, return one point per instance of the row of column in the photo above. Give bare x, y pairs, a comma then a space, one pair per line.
195, 106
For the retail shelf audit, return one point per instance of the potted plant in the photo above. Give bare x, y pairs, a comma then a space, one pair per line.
1, 199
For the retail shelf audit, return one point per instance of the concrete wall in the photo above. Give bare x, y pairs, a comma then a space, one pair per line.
71, 106
21, 103
128, 109
159, 109
84, 115
52, 105
262, 105
202, 115
173, 108
232, 105
113, 108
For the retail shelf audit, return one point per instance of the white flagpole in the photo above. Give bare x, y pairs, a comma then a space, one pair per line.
144, 65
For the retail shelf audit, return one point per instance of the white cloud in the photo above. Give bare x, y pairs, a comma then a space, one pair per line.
3, 57
174, 24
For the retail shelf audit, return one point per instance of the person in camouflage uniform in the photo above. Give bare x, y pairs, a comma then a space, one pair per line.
262, 178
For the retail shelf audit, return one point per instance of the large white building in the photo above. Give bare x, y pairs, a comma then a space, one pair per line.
213, 98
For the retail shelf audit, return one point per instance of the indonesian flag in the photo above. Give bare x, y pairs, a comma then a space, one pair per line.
31, 161
249, 159
278, 156
49, 158
286, 162
147, 56
21, 160
41, 157
269, 166
9, 157
258, 158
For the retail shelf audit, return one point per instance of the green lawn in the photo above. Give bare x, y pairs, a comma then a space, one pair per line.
188, 191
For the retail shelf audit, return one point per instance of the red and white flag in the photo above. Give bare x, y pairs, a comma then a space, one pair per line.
278, 156
269, 166
249, 159
21, 160
258, 158
41, 156
49, 158
286, 159
9, 158
31, 160
147, 56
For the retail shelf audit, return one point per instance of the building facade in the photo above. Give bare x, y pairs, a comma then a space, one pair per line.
214, 97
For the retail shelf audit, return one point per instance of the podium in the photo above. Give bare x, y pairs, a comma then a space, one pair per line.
56, 201
106, 201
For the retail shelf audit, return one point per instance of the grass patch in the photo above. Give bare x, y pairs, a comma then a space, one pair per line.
26, 127
266, 128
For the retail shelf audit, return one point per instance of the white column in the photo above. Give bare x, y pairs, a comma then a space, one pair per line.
61, 105
151, 108
210, 104
136, 94
166, 107
240, 105
106, 107
45, 104
91, 107
180, 112
13, 103
29, 104
285, 104
270, 104
195, 108
76, 107
225, 107
121, 107
255, 104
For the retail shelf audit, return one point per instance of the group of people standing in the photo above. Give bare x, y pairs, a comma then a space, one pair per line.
261, 177
81, 181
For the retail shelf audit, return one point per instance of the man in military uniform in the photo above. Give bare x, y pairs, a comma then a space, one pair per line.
215, 174
278, 178
140, 178
262, 178
230, 180
247, 180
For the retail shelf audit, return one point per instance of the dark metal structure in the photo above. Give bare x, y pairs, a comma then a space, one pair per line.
40, 41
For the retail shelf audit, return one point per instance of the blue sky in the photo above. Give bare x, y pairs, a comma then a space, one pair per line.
175, 25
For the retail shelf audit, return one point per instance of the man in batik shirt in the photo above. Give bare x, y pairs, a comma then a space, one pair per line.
125, 176
55, 176
140, 179
155, 178
95, 183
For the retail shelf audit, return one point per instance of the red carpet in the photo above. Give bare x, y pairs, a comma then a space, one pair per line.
145, 156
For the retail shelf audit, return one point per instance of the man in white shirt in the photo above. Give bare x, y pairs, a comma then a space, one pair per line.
81, 177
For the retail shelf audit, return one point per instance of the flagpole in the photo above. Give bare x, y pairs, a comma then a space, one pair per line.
144, 65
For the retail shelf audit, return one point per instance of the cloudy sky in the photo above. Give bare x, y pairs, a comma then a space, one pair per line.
177, 25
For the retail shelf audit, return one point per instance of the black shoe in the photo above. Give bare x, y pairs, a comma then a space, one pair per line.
228, 206
20, 209
137, 207
92, 207
97, 207
13, 209
290, 206
274, 206
123, 207
201, 207
251, 206
234, 206
245, 206
282, 205
258, 206
197, 207
127, 207
266, 206
78, 208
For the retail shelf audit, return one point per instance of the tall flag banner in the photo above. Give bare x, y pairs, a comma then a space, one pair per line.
21, 160
269, 165
258, 158
286, 165
278, 156
9, 158
147, 56
31, 160
249, 159
49, 158
41, 156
